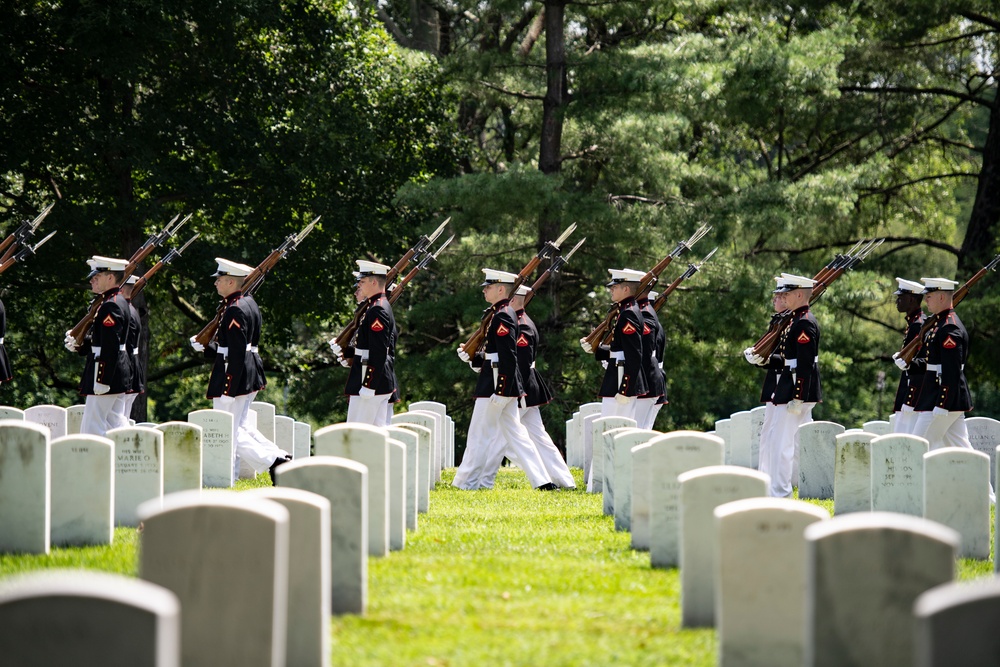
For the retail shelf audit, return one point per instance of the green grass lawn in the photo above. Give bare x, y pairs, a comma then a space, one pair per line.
510, 576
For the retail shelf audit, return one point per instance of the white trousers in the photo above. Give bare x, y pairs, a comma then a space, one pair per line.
553, 461
646, 410
374, 410
123, 406
906, 420
99, 415
494, 431
251, 446
610, 407
779, 448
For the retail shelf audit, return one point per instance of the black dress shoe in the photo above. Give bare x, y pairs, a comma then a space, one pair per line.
277, 462
548, 487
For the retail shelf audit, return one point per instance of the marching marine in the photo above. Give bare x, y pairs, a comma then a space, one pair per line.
909, 295
654, 342
496, 425
797, 389
107, 375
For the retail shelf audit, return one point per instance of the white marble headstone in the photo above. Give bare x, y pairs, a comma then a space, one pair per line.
410, 440
579, 458
957, 625
10, 412
83, 490
877, 427
818, 459
74, 418
740, 445
756, 424
624, 441
984, 435
598, 426
760, 593
642, 489
852, 485
345, 484
368, 445
587, 436
25, 483
52, 416
397, 495
218, 446
423, 464
182, 456
225, 556
284, 433
265, 418
722, 429
302, 440
866, 569
430, 422
957, 495
447, 426
79, 617
702, 490
671, 455
897, 469
138, 471
608, 469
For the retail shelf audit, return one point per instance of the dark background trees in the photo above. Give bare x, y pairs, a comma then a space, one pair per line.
794, 129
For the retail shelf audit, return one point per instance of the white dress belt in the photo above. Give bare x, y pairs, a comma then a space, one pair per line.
618, 355
363, 354
225, 350
936, 368
794, 363
493, 356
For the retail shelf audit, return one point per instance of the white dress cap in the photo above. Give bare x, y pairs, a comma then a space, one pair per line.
624, 276
935, 284
100, 264
908, 287
788, 282
494, 276
366, 268
229, 268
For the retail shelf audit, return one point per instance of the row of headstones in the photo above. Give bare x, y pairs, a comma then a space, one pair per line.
82, 486
780, 592
201, 546
741, 433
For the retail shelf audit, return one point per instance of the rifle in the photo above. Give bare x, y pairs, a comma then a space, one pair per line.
83, 326
553, 269
346, 336
421, 265
478, 337
594, 338
910, 350
136, 288
24, 231
691, 270
765, 345
23, 253
254, 280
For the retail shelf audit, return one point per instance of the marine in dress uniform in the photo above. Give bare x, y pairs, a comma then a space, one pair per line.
774, 366
107, 375
624, 378
6, 375
124, 406
238, 371
371, 385
536, 394
497, 394
797, 389
654, 340
909, 295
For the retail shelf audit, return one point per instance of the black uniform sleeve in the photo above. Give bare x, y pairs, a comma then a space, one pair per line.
110, 327
952, 349
505, 331
235, 323
379, 328
630, 331
805, 337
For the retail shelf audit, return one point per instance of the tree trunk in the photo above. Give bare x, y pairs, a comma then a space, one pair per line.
980, 236
426, 27
550, 150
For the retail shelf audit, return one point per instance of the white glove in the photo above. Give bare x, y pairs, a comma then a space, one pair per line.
752, 357
336, 348
939, 411
604, 363
587, 347
498, 400
100, 389
198, 347
622, 399
900, 362
463, 355
344, 362
795, 407
365, 392
474, 369
70, 343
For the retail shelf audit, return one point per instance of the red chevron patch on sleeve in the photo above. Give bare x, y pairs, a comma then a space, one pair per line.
646, 330
629, 329
803, 337
234, 323
949, 343
502, 330
377, 325
522, 341
108, 321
